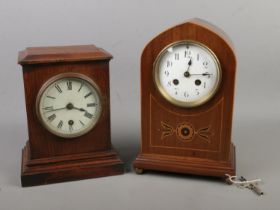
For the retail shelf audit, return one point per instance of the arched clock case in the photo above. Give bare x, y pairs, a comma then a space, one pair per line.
181, 131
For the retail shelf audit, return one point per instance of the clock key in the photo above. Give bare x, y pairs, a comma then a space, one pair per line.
252, 186
244, 183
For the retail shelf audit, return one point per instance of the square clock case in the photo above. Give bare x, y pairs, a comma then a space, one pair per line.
67, 99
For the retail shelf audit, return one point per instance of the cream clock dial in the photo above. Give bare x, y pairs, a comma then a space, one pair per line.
68, 105
187, 73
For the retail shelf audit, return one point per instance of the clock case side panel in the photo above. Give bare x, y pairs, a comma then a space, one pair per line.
212, 37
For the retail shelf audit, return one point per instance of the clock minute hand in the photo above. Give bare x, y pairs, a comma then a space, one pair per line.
203, 74
52, 110
68, 106
187, 72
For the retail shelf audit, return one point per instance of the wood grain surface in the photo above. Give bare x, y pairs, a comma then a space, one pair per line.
208, 150
48, 158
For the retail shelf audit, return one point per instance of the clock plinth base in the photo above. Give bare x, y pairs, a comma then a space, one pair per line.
189, 165
68, 168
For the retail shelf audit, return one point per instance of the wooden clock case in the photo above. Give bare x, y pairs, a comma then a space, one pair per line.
47, 158
207, 150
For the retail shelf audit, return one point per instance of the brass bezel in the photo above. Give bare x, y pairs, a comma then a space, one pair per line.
186, 104
62, 76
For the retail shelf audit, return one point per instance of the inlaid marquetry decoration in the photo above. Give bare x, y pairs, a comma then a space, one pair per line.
185, 132
187, 95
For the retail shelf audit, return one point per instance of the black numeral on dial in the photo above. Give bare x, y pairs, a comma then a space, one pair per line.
205, 64
60, 124
69, 85
48, 108
168, 63
58, 88
186, 94
52, 117
91, 105
70, 123
88, 115
87, 95
51, 97
187, 53
82, 84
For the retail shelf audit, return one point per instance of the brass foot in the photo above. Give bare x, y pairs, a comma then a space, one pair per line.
138, 170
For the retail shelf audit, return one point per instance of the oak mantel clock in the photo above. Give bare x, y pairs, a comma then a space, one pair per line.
68, 113
187, 92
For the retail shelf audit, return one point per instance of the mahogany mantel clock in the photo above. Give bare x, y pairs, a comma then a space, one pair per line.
68, 113
187, 91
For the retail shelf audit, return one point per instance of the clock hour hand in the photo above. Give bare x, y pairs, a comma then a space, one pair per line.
189, 64
80, 109
52, 110
71, 106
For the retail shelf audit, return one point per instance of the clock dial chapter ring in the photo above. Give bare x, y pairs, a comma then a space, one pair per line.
69, 105
187, 73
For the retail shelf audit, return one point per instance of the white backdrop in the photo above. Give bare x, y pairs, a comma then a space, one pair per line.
123, 28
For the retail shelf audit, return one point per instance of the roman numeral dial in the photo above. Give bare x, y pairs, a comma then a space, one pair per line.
194, 76
69, 105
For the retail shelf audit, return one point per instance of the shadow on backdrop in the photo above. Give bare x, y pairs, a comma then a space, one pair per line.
128, 148
13, 138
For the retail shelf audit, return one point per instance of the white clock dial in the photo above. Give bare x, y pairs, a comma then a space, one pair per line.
68, 105
187, 73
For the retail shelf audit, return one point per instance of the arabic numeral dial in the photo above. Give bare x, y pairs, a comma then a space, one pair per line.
187, 73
